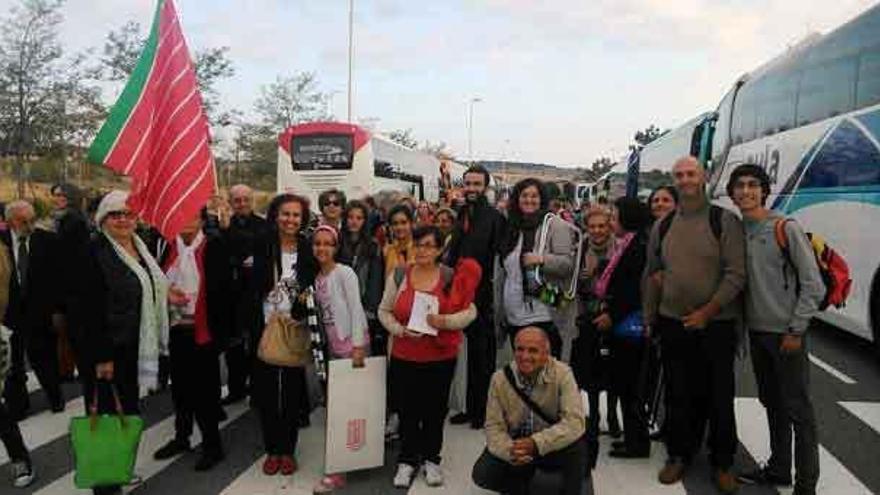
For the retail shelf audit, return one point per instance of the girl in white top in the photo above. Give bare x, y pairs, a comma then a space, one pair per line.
338, 295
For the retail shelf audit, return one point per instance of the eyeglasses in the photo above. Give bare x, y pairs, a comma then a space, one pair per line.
117, 215
426, 245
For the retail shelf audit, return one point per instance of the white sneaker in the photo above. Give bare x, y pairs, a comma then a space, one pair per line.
23, 474
433, 474
404, 475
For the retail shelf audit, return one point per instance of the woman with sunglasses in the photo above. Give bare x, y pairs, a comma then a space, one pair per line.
422, 364
399, 251
345, 324
283, 267
124, 312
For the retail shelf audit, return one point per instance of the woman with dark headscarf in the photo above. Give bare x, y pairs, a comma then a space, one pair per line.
520, 302
619, 286
661, 201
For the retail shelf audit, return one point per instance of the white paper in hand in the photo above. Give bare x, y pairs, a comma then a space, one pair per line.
424, 304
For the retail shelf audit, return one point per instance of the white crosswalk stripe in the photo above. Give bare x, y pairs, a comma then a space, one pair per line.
462, 446
835, 478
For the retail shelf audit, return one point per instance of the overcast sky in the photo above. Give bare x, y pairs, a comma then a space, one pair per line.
562, 81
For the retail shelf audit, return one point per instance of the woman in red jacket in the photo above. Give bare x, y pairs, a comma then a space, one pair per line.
422, 364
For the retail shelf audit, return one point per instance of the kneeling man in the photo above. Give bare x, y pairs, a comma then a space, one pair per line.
534, 419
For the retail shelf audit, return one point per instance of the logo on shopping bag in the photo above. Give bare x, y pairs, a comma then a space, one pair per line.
357, 429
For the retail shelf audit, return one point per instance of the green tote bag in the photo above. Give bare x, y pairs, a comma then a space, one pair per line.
105, 446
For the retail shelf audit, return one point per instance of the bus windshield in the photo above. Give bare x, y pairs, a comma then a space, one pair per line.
322, 152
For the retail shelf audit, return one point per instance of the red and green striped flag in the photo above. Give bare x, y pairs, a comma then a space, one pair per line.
157, 132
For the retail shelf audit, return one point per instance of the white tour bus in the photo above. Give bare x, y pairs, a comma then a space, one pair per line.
811, 118
317, 156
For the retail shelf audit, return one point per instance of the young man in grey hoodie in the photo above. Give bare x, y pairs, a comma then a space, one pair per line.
784, 293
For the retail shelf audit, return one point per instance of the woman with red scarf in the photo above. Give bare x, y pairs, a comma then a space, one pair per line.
422, 364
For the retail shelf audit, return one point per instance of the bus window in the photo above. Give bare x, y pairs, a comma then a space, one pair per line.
743, 125
826, 90
775, 103
322, 152
847, 159
868, 91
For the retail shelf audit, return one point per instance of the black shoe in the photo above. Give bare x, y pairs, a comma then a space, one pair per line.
232, 399
618, 444
613, 427
625, 453
304, 421
763, 476
460, 419
477, 425
657, 436
209, 458
221, 414
171, 449
58, 407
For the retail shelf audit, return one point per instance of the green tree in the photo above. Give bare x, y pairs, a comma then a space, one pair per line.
46, 101
291, 100
643, 137
404, 137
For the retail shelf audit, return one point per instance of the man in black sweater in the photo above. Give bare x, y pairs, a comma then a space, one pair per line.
243, 229
479, 232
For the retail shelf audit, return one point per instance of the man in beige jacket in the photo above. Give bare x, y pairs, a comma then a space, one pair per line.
521, 438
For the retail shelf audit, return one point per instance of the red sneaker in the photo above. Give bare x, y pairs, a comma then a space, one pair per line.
271, 465
288, 465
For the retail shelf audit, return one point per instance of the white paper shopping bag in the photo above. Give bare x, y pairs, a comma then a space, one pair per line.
355, 436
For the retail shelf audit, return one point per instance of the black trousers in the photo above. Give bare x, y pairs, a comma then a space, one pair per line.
498, 475
10, 435
278, 393
125, 380
41, 348
784, 390
423, 390
195, 387
628, 358
481, 352
699, 365
238, 368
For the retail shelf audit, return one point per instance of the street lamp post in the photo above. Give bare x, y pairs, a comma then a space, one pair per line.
350, 51
471, 127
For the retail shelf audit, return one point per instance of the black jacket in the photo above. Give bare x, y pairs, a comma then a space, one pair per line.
482, 241
72, 231
30, 310
365, 258
267, 259
624, 293
109, 305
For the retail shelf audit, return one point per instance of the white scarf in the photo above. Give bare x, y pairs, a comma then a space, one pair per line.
153, 340
184, 274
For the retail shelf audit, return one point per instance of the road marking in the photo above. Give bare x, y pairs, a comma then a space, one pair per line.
832, 370
751, 428
146, 467
867, 412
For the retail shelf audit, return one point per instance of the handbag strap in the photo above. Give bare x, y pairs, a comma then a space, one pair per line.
525, 397
93, 410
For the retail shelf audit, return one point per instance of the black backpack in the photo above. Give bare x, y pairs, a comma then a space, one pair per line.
715, 213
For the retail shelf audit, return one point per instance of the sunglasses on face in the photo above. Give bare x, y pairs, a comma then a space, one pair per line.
116, 215
332, 202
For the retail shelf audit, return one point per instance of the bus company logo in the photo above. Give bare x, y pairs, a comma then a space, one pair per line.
357, 430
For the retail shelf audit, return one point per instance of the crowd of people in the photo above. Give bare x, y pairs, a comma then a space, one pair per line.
661, 290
